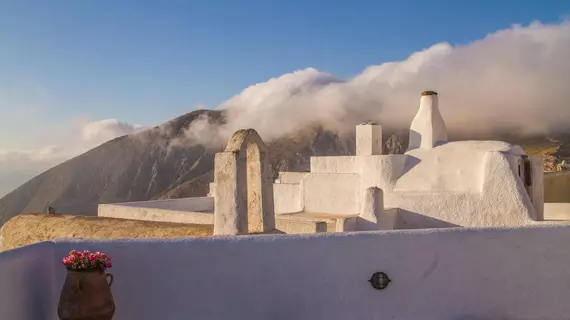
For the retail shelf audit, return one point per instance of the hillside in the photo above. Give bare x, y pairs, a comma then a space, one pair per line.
145, 166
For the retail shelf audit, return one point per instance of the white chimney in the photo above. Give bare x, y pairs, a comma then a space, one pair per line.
368, 139
428, 128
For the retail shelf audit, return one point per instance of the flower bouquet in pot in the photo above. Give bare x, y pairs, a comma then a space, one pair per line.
86, 293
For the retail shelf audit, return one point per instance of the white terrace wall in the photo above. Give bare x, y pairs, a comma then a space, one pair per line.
140, 212
186, 210
557, 187
436, 274
27, 290
287, 197
200, 204
557, 212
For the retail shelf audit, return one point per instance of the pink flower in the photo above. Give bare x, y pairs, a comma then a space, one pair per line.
85, 260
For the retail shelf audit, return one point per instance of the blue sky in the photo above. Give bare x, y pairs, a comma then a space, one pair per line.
72, 71
148, 61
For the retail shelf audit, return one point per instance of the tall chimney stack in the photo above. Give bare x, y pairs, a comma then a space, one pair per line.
368, 139
428, 128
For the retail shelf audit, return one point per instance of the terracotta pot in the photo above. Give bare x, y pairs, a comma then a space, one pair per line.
86, 295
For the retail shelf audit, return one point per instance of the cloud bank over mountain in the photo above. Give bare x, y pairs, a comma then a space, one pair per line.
514, 79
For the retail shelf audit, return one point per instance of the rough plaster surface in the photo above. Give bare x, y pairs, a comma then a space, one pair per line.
243, 200
337, 164
451, 167
287, 198
230, 199
557, 211
368, 139
372, 209
382, 171
298, 226
331, 193
436, 274
502, 202
290, 177
557, 187
428, 128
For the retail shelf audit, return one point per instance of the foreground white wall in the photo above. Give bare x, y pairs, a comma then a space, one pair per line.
27, 289
437, 274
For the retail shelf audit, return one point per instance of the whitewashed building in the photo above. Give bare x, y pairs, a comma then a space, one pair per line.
515, 270
436, 183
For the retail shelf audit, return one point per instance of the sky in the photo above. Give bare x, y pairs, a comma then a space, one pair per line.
74, 74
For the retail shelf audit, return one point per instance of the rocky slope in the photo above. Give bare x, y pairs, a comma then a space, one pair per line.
146, 166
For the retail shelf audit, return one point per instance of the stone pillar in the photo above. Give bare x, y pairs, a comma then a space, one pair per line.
230, 195
372, 209
368, 139
428, 128
243, 193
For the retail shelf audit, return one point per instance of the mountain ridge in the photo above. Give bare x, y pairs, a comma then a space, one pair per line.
163, 163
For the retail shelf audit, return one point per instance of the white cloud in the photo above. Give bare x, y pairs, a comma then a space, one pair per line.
18, 165
515, 78
97, 132
80, 138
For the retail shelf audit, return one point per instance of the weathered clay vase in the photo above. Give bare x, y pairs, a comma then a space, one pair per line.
86, 295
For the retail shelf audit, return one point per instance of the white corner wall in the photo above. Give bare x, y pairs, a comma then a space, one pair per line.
557, 211
27, 290
331, 193
287, 198
436, 274
291, 176
340, 164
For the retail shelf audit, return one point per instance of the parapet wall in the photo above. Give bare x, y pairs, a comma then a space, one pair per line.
436, 274
557, 187
27, 278
26, 229
199, 204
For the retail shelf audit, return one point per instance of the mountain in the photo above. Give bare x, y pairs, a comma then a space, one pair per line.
151, 165
163, 163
